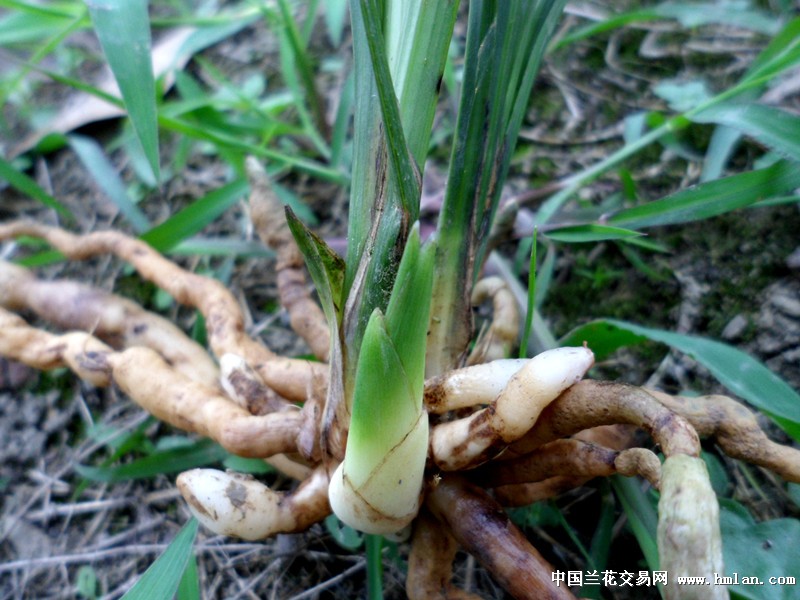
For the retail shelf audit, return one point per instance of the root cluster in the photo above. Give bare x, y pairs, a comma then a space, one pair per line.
485, 453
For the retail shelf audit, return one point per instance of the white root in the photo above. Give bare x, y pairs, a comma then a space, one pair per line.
689, 539
470, 386
498, 340
238, 505
468, 442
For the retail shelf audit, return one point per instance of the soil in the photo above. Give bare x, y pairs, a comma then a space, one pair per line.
735, 278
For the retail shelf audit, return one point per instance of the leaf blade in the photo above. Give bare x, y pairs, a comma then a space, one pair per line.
124, 32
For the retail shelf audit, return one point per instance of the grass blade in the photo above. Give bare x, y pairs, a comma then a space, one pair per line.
124, 32
776, 129
161, 580
24, 184
531, 305
174, 460
576, 234
739, 372
195, 217
105, 175
642, 516
712, 198
304, 68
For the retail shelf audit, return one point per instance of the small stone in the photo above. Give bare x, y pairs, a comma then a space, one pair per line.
787, 304
793, 260
735, 328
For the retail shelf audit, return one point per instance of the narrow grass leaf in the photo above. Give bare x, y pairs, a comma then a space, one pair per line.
531, 305
189, 587
304, 67
203, 246
742, 374
576, 234
712, 198
736, 14
24, 184
781, 53
106, 177
723, 142
175, 460
162, 579
607, 24
224, 139
777, 129
31, 25
642, 516
192, 219
335, 16
124, 32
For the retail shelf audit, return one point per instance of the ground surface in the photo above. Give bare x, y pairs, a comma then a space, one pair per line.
735, 278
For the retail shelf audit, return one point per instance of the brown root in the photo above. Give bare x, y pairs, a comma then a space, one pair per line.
84, 354
150, 382
523, 494
191, 406
484, 530
266, 213
430, 563
734, 427
499, 339
224, 321
115, 320
591, 403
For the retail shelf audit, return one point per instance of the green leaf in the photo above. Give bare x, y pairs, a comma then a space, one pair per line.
739, 372
642, 516
124, 32
409, 308
762, 550
384, 407
325, 267
505, 44
197, 454
189, 587
405, 172
590, 233
712, 198
195, 217
335, 15
725, 12
105, 175
253, 466
777, 129
161, 580
28, 186
344, 535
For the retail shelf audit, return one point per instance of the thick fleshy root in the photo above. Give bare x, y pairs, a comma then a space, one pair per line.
117, 321
305, 315
238, 505
430, 563
499, 338
689, 539
473, 440
224, 321
484, 530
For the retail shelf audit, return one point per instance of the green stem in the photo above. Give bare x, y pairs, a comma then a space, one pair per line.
374, 546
